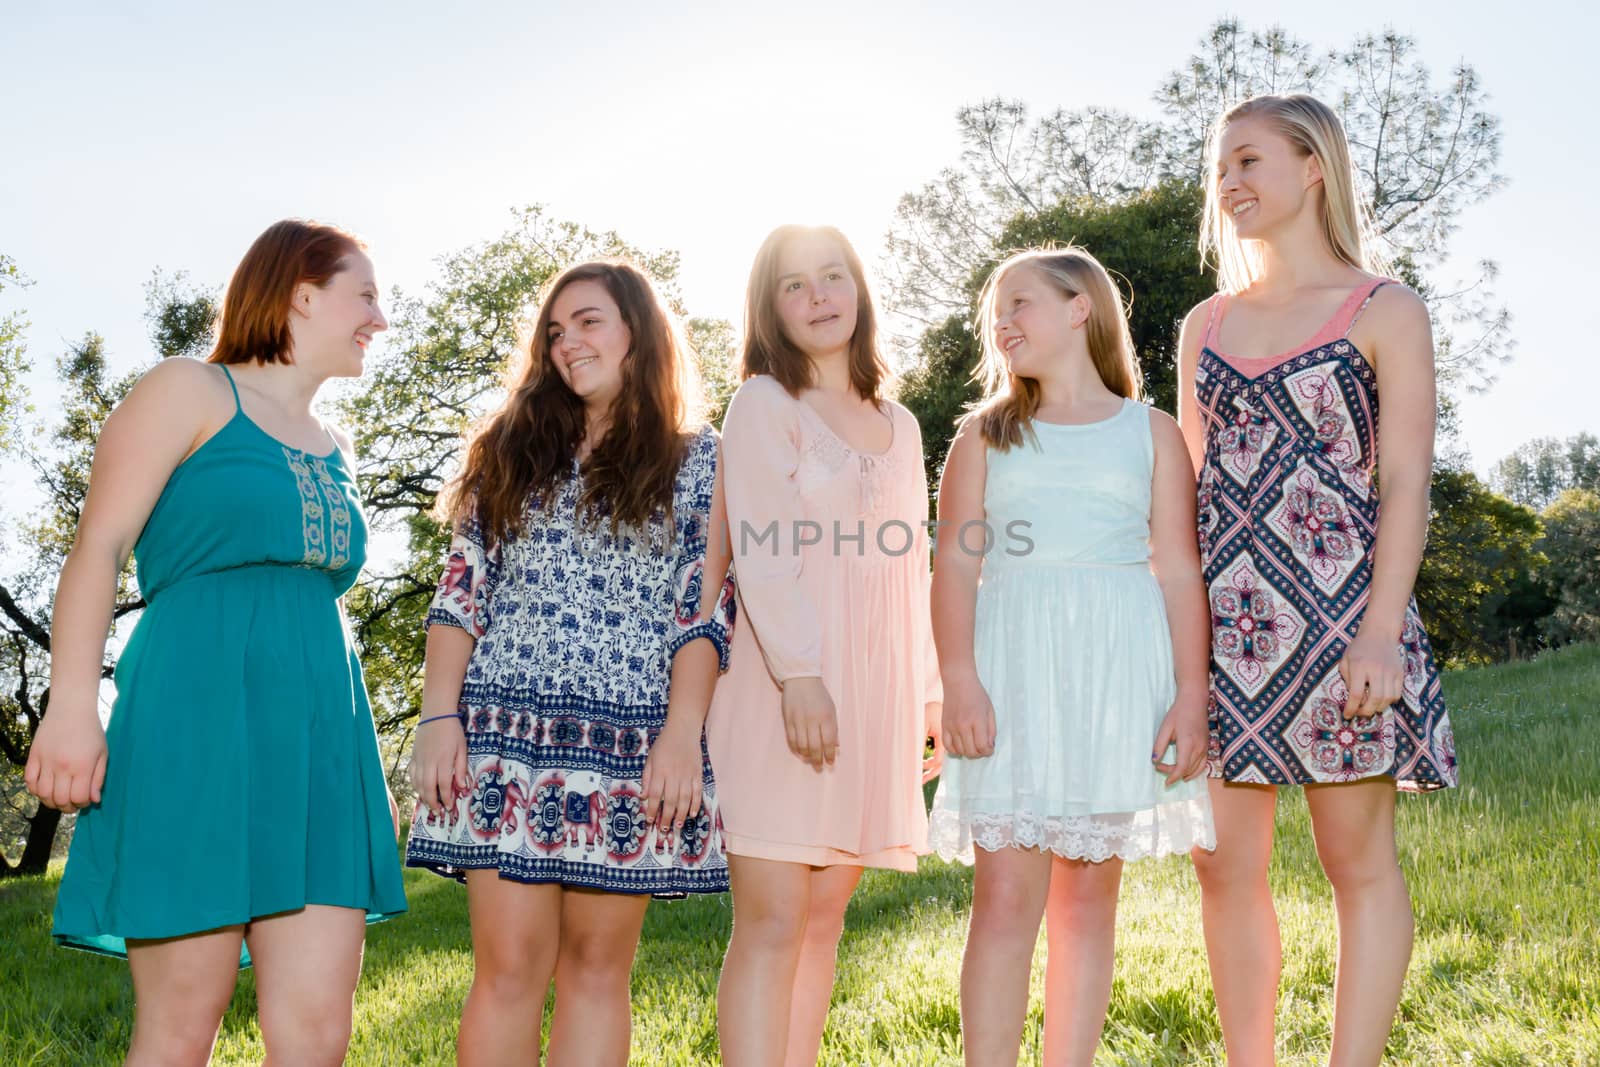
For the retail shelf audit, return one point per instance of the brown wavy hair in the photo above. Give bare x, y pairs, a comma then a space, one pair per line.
522, 453
1010, 402
255, 309
767, 350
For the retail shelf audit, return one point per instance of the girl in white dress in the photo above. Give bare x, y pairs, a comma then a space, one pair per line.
1072, 630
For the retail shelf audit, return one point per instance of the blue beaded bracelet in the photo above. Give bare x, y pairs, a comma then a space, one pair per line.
436, 718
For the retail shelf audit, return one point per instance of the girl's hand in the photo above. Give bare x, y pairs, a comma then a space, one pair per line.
67, 763
969, 728
1185, 723
1374, 674
933, 762
810, 721
439, 764
673, 778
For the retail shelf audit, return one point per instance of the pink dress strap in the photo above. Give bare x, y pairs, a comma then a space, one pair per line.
1217, 302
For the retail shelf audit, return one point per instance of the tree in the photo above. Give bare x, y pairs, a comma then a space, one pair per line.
943, 231
1572, 544
13, 360
1148, 239
718, 360
1544, 468
180, 314
1472, 588
1423, 154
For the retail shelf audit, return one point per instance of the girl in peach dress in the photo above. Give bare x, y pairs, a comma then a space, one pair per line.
817, 730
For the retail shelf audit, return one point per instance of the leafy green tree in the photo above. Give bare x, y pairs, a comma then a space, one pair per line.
1472, 588
13, 360
718, 359
1572, 543
180, 314
1544, 468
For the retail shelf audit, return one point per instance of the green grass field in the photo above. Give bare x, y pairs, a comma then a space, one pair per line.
1505, 873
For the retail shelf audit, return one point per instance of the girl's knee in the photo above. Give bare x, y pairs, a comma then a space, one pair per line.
173, 1042
1230, 871
1354, 869
311, 1032
1007, 907
770, 927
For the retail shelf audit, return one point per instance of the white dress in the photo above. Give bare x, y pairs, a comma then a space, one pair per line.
1072, 646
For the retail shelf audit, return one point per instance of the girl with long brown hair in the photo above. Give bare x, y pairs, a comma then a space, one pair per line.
818, 727
560, 765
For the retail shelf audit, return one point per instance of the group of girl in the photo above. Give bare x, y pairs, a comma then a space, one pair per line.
660, 662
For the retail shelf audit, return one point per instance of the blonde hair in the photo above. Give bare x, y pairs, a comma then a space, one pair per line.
1010, 402
1314, 130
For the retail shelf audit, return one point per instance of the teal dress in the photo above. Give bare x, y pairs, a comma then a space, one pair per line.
243, 777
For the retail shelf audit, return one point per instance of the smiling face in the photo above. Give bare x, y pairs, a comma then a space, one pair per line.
332, 325
1034, 320
816, 296
588, 342
1264, 181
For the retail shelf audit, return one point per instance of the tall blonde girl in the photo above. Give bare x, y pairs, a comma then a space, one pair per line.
1311, 525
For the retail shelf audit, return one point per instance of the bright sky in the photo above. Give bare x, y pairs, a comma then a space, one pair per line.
170, 134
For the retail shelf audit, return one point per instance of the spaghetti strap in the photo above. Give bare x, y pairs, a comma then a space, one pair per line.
1208, 340
1379, 284
237, 407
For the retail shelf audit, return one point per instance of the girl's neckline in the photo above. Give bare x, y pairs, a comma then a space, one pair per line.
325, 456
894, 434
1121, 409
1311, 344
238, 410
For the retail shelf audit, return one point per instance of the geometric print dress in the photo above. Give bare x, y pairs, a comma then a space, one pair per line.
576, 628
1288, 516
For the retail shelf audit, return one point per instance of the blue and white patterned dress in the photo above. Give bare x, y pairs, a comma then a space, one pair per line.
566, 691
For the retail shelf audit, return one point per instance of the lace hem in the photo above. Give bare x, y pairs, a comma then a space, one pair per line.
1167, 829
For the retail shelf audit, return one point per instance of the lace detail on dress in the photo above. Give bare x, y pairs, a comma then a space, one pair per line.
1167, 829
828, 451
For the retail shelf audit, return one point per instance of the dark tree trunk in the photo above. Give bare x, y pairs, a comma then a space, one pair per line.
41, 839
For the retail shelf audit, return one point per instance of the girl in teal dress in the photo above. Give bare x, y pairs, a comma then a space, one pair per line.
237, 797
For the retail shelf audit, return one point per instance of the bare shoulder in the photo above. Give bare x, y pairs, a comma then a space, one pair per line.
187, 377
185, 389
1164, 431
1192, 332
1395, 323
1398, 304
968, 442
1195, 320
1161, 423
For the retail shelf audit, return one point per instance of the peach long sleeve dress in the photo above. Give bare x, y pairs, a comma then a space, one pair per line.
831, 558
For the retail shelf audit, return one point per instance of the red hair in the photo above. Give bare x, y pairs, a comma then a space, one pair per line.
255, 310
